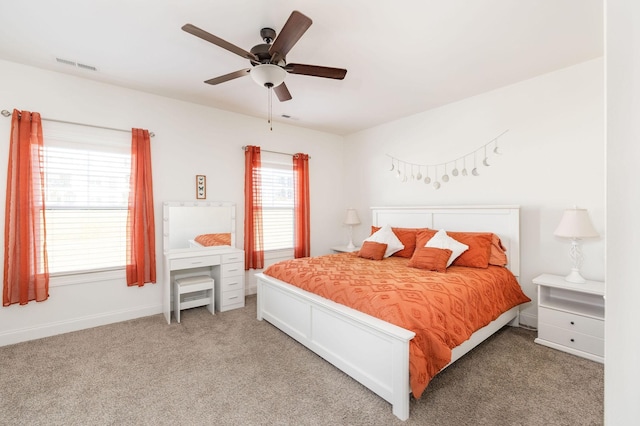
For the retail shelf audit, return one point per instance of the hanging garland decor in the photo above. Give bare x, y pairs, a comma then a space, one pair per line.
434, 173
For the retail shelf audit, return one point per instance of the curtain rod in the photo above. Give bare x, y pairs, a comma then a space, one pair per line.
8, 114
244, 148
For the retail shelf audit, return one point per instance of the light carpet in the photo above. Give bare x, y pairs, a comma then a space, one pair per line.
230, 369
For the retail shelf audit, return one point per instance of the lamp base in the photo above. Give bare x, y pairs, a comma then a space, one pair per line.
351, 246
575, 277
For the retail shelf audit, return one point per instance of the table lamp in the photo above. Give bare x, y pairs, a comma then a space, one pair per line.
351, 219
575, 224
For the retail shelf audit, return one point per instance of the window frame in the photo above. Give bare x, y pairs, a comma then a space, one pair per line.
61, 135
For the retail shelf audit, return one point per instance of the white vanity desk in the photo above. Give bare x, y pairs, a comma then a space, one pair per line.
225, 264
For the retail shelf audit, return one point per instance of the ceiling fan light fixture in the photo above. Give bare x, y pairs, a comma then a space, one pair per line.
268, 75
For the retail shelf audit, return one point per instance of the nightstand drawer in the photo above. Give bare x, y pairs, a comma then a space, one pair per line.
194, 262
574, 340
571, 322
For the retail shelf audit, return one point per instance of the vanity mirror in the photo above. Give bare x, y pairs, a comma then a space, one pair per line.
183, 221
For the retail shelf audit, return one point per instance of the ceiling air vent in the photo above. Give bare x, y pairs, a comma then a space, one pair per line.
87, 67
76, 64
66, 62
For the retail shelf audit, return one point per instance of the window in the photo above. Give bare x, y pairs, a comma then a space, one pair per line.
277, 206
87, 191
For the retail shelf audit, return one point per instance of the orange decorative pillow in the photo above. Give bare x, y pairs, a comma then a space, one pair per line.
498, 255
372, 250
430, 258
479, 252
423, 236
407, 237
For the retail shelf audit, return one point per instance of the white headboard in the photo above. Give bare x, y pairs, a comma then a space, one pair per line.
503, 221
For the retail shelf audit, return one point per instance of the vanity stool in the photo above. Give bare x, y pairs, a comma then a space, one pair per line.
191, 292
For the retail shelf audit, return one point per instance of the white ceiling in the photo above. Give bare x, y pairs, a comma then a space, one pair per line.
402, 57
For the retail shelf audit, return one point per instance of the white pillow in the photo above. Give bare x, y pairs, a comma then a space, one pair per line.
386, 236
443, 241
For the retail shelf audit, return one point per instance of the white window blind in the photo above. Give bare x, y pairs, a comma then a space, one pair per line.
277, 206
87, 190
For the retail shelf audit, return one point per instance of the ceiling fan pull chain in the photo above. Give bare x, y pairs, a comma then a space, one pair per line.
270, 109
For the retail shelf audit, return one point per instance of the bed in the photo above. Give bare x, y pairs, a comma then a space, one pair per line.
372, 351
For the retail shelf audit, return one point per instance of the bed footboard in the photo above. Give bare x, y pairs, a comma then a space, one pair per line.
372, 351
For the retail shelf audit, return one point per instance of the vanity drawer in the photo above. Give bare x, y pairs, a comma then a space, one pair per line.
233, 257
572, 322
571, 339
233, 298
194, 262
232, 283
232, 269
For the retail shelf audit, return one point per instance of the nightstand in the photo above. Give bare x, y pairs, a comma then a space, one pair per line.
571, 316
344, 249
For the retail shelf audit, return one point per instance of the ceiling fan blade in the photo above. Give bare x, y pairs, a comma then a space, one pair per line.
192, 29
227, 77
282, 92
293, 29
316, 71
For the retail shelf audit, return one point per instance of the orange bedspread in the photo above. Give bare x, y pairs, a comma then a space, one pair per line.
443, 309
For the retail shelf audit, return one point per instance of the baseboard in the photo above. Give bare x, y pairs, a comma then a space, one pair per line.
60, 327
528, 320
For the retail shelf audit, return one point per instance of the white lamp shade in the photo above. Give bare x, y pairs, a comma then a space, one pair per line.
575, 223
352, 217
268, 75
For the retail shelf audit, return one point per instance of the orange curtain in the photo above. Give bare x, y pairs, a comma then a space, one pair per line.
141, 236
253, 242
302, 227
26, 272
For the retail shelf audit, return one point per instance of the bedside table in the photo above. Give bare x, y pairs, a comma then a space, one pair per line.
571, 316
344, 249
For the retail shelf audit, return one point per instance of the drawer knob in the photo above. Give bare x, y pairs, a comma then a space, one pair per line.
573, 323
573, 340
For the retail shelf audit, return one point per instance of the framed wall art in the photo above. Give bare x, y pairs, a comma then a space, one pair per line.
201, 187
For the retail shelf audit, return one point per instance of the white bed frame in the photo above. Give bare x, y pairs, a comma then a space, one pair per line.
372, 351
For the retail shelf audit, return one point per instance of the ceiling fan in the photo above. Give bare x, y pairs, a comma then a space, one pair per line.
269, 60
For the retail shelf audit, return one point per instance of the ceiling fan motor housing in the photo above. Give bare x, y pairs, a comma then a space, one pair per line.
261, 51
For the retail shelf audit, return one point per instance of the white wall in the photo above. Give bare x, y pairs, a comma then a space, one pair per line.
552, 159
622, 338
190, 139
